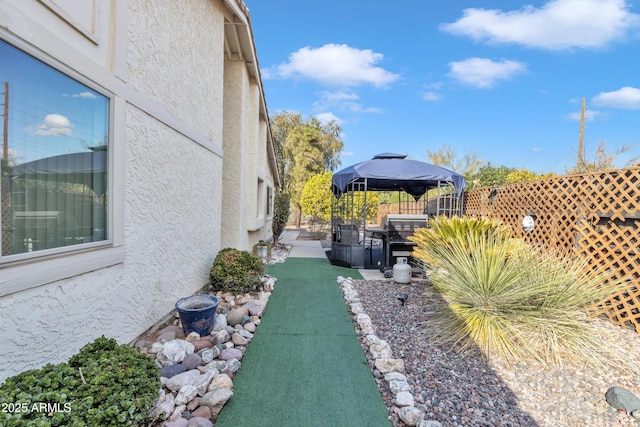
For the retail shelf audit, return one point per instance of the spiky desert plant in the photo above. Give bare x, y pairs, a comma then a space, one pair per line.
443, 230
513, 300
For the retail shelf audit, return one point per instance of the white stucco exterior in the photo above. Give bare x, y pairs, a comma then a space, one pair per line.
190, 163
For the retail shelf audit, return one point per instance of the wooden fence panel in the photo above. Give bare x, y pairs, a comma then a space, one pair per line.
594, 215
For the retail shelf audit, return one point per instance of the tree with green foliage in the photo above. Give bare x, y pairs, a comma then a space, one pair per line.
316, 196
447, 157
489, 176
281, 206
281, 123
389, 197
353, 206
524, 175
305, 148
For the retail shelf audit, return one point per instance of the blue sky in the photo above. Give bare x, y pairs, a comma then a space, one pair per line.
504, 79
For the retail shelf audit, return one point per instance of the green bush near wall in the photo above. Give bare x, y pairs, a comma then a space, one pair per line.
236, 271
105, 384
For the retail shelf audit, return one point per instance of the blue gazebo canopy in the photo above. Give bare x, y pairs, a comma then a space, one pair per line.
389, 172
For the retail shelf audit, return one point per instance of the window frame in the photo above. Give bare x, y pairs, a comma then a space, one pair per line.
27, 270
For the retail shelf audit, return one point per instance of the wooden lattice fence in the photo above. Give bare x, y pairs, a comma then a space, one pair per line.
595, 215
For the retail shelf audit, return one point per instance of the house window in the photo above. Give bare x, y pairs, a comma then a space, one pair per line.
269, 201
261, 195
54, 187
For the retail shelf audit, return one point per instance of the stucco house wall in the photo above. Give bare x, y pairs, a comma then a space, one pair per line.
188, 175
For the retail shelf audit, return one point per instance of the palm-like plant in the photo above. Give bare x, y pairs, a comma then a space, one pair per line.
510, 299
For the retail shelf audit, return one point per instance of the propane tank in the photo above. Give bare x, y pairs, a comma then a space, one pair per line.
402, 271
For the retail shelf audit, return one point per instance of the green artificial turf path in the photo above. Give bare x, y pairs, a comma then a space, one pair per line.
304, 365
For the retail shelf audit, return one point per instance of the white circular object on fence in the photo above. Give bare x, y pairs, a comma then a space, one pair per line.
528, 223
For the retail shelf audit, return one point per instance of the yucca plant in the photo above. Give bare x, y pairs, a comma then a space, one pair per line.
443, 231
510, 299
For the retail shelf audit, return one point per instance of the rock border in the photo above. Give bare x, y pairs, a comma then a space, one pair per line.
197, 373
384, 364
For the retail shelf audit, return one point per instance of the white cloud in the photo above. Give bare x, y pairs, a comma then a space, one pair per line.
558, 25
333, 99
627, 98
589, 115
335, 65
342, 101
484, 73
325, 118
347, 154
52, 125
432, 96
536, 150
87, 95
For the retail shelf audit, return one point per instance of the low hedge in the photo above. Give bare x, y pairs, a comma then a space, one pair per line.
236, 271
105, 384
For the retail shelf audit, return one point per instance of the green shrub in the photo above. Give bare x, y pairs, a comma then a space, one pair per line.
511, 299
281, 206
236, 271
105, 384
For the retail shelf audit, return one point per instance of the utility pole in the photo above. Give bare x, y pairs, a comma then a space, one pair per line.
580, 146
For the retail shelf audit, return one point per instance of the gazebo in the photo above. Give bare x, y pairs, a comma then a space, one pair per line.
352, 233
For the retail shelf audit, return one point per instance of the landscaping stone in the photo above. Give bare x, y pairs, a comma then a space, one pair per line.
202, 383
193, 336
410, 415
176, 382
235, 317
397, 376
238, 339
191, 406
215, 400
621, 398
220, 322
208, 354
180, 422
177, 412
166, 336
164, 408
404, 398
172, 370
203, 412
255, 309
186, 394
385, 365
230, 353
380, 350
221, 337
174, 352
220, 381
202, 343
192, 361
398, 386
199, 422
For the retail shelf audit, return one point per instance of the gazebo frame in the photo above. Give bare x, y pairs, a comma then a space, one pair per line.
352, 233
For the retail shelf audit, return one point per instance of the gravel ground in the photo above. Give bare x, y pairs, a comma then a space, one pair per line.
469, 392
